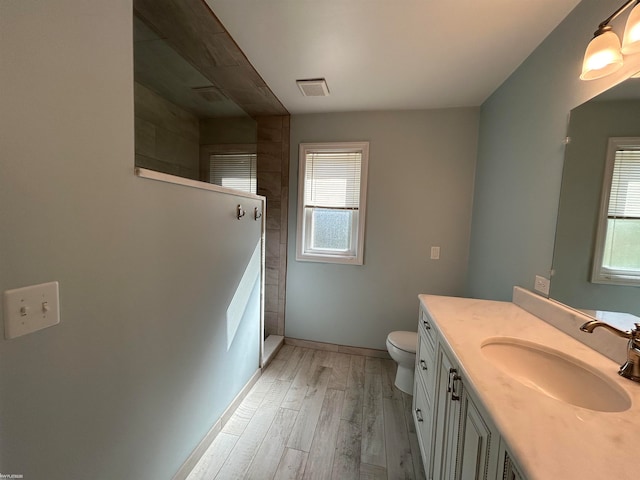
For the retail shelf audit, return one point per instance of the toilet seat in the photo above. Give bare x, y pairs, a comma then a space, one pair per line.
405, 341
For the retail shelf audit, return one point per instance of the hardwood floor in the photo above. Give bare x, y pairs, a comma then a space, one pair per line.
320, 415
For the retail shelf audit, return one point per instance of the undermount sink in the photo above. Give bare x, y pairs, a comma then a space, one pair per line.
555, 374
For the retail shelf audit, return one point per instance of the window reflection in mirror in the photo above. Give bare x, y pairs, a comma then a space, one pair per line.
617, 252
184, 124
612, 114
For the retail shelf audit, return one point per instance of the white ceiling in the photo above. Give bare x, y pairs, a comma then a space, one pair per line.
388, 54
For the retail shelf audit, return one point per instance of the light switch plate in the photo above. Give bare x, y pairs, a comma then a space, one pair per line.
29, 309
435, 253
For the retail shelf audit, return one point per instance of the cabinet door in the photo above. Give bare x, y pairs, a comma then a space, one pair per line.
508, 468
475, 454
447, 418
423, 419
425, 363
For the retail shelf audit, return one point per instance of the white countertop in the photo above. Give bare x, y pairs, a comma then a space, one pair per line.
550, 439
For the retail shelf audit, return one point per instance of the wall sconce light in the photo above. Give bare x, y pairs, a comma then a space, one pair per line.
604, 53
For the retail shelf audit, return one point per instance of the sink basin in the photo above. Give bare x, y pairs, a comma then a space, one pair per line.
555, 374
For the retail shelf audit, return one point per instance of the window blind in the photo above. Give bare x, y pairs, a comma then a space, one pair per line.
332, 180
234, 170
624, 199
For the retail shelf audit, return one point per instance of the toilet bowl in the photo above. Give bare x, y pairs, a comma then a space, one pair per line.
402, 348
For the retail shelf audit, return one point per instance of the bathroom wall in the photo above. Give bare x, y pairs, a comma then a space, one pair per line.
167, 136
147, 355
520, 156
591, 126
420, 187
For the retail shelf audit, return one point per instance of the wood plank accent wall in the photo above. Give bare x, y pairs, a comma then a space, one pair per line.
273, 183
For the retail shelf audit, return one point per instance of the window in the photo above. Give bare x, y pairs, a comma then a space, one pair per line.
331, 202
233, 170
617, 254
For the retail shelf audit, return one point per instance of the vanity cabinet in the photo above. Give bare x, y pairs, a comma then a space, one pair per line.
457, 441
446, 414
508, 468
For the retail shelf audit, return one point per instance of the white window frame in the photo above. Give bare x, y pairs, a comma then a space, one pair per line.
601, 274
304, 251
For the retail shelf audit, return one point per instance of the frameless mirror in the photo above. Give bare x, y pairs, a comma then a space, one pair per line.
184, 124
614, 113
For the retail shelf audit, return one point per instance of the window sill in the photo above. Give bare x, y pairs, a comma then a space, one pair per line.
319, 258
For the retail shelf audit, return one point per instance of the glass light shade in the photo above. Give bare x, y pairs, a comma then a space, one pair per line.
631, 39
602, 57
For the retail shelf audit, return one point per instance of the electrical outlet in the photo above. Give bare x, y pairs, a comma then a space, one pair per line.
542, 285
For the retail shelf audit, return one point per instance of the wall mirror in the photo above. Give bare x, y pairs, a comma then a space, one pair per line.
184, 125
614, 113
196, 96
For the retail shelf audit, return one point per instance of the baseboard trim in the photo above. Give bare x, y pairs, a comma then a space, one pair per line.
332, 347
191, 461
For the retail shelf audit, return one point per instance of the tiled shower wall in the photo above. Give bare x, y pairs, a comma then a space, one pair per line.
273, 183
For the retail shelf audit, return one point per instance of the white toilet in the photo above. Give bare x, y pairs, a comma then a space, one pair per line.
402, 348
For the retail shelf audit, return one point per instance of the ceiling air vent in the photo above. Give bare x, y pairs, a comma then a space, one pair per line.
313, 87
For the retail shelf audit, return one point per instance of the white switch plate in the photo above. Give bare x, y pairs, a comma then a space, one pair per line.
542, 285
30, 309
435, 253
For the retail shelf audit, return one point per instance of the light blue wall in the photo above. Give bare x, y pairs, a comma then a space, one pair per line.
591, 126
138, 370
421, 168
520, 156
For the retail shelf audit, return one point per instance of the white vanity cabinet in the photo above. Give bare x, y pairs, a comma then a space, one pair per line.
456, 440
508, 468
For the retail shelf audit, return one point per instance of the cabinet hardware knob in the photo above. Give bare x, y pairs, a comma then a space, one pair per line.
451, 372
423, 364
240, 212
426, 325
419, 415
256, 214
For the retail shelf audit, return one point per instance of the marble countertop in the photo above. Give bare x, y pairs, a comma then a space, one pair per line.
549, 439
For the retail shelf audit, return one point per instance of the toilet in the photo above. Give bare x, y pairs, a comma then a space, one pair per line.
402, 348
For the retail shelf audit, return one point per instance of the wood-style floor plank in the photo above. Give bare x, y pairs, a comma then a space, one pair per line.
304, 428
299, 386
346, 464
243, 414
272, 372
323, 446
294, 362
210, 463
292, 465
247, 445
399, 460
340, 363
265, 463
285, 352
373, 366
389, 390
354, 394
372, 472
373, 445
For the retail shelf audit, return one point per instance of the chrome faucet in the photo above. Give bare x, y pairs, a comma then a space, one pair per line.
631, 368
